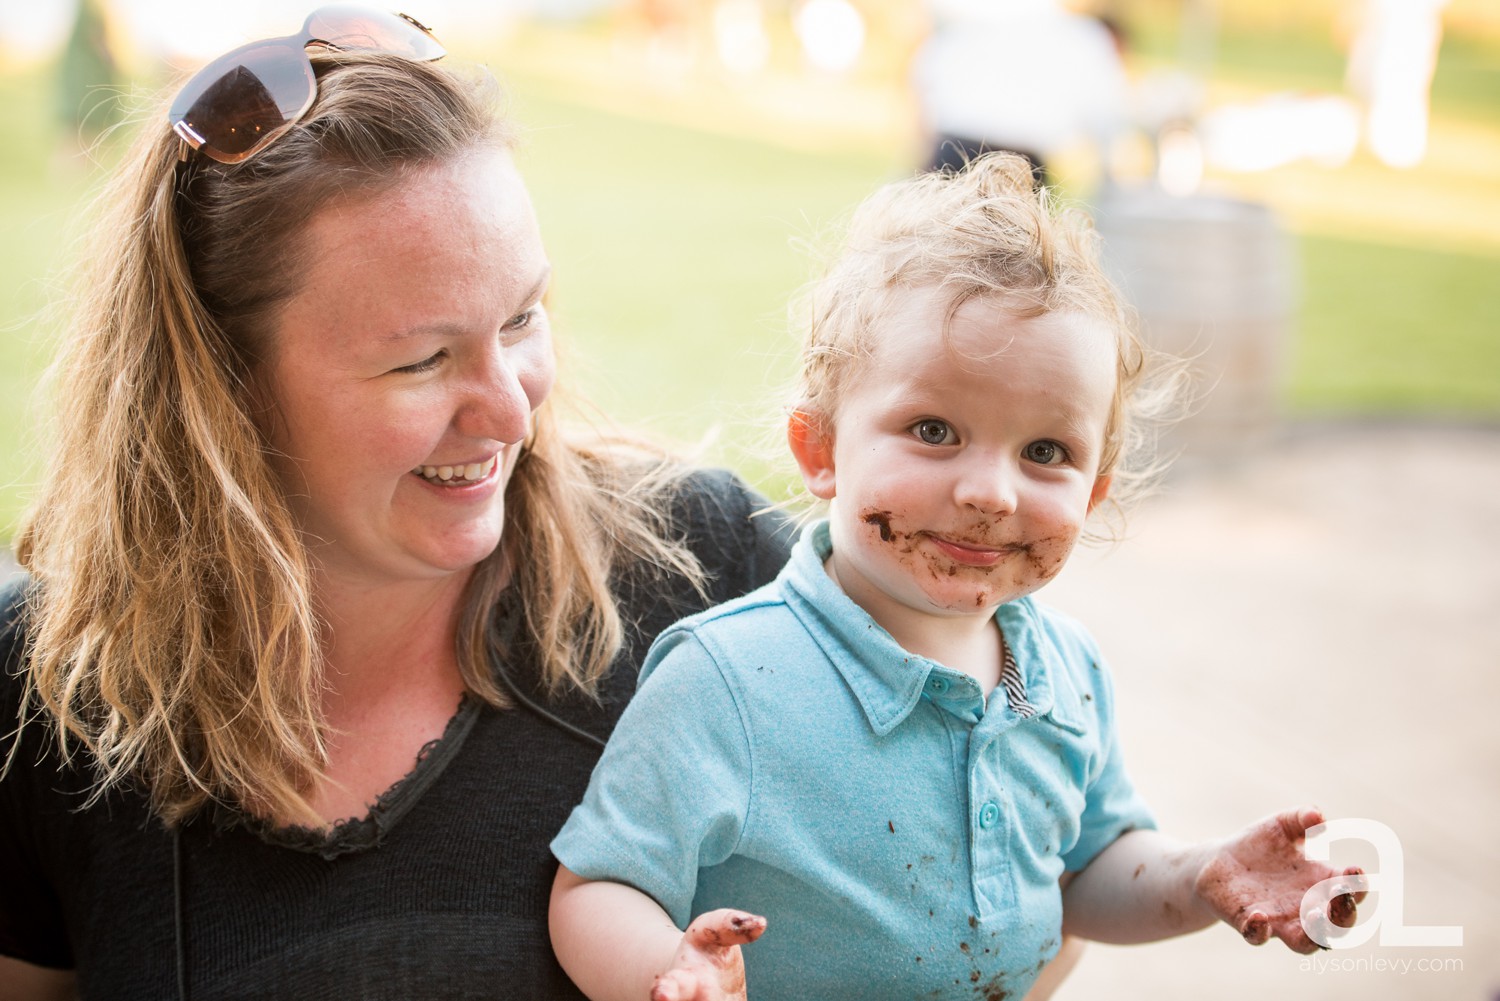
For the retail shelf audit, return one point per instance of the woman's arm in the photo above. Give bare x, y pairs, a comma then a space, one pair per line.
24, 982
619, 945
1145, 886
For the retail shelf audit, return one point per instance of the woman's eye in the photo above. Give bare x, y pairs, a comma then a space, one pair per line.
1045, 453
523, 320
425, 365
933, 432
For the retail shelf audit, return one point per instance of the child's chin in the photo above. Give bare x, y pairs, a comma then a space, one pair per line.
969, 601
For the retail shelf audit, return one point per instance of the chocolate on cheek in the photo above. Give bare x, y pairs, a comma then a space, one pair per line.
904, 543
881, 520
1045, 557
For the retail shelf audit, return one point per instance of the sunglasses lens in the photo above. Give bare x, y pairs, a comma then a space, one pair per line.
353, 27
241, 101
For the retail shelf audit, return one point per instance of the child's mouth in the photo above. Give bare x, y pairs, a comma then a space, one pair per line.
973, 555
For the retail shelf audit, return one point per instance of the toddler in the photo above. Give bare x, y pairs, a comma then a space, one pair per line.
892, 752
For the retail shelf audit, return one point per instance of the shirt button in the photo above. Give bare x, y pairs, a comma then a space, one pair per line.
937, 686
989, 815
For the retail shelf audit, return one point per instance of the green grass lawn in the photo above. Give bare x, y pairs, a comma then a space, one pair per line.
676, 248
1386, 329
38, 209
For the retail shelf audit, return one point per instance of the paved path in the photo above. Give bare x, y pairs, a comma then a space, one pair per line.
1316, 624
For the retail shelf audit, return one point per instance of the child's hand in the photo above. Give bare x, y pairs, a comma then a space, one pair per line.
709, 965
1256, 879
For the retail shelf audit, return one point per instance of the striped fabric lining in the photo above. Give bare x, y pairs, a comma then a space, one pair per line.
1015, 685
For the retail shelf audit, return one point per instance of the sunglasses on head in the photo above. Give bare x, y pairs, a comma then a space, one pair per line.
243, 101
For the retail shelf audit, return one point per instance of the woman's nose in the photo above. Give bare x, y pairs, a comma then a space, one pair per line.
496, 405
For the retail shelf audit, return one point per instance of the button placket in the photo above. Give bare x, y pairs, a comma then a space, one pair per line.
990, 822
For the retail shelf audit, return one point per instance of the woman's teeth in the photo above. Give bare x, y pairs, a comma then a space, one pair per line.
457, 474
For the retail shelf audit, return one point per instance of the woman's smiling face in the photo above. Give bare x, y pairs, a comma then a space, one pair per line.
417, 346
963, 458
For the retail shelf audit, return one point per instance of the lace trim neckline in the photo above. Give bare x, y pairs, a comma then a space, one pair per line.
357, 834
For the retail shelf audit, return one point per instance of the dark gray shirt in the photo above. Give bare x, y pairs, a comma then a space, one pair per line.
441, 892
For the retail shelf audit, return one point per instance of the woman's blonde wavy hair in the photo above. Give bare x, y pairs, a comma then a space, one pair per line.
172, 629
985, 231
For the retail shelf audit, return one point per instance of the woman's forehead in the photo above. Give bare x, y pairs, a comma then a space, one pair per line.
453, 245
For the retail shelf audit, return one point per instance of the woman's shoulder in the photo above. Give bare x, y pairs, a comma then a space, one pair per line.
738, 536
13, 596
718, 519
713, 500
33, 741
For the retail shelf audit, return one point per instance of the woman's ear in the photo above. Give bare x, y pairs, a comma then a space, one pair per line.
811, 442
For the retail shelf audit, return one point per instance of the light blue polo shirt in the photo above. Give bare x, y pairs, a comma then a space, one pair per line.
785, 756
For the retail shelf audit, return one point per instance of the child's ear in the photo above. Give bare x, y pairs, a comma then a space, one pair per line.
1100, 491
812, 447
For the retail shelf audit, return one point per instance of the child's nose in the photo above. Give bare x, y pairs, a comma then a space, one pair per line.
989, 486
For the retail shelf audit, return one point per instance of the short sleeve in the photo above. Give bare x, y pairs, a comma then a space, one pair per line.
31, 922
672, 791
1112, 806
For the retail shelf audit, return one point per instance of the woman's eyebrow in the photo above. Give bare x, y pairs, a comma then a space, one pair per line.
540, 287
447, 327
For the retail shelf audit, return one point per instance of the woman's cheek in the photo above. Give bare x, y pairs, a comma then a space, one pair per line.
541, 376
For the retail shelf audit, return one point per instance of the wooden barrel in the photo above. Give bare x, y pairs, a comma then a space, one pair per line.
1211, 279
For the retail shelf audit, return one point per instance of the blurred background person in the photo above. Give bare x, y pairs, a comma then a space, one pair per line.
1391, 62
1026, 76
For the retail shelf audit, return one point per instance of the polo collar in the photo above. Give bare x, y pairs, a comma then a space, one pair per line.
889, 681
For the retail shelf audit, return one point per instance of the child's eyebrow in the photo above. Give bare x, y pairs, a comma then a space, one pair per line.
1081, 432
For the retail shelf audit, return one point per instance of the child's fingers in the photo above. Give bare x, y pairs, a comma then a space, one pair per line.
1310, 817
724, 928
1295, 823
674, 985
1257, 928
1295, 938
1343, 909
1354, 870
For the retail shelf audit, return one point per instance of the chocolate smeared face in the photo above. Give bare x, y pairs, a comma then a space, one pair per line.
964, 461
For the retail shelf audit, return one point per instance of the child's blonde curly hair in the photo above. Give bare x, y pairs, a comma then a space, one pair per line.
983, 231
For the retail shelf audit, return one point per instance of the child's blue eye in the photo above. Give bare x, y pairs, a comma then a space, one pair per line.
1045, 453
933, 432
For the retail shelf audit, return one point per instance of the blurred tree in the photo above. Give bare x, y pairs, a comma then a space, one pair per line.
87, 78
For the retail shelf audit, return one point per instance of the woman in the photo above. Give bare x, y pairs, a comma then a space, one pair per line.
325, 618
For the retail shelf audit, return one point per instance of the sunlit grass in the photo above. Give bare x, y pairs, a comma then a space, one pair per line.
1389, 329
